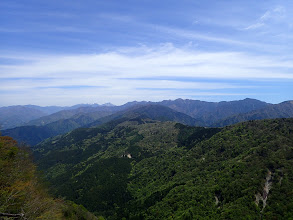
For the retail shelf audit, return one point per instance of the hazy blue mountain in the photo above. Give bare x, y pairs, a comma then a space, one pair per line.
16, 115
66, 114
33, 134
206, 112
108, 104
282, 110
48, 109
211, 112
20, 115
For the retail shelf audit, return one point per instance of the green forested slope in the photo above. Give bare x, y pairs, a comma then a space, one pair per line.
221, 177
145, 169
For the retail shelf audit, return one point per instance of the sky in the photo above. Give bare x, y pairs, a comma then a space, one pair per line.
61, 52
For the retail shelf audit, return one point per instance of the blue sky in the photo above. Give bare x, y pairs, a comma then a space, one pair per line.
62, 52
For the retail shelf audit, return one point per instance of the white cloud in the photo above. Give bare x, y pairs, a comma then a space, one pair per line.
134, 74
277, 14
143, 62
55, 96
254, 26
201, 36
265, 16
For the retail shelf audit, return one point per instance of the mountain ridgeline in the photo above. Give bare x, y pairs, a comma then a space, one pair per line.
211, 112
189, 112
282, 110
21, 115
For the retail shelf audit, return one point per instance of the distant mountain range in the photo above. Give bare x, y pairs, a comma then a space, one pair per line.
37, 124
211, 112
69, 113
14, 116
19, 115
282, 110
207, 112
33, 134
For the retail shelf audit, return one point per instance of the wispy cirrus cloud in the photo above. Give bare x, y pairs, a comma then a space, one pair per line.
165, 60
277, 14
137, 73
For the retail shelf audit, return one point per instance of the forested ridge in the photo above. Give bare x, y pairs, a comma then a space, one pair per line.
145, 169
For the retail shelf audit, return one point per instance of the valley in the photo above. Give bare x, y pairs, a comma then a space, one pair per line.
148, 161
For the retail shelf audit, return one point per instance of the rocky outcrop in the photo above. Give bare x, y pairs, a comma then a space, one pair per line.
266, 189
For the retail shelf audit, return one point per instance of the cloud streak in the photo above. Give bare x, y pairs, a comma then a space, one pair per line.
136, 74
277, 14
143, 62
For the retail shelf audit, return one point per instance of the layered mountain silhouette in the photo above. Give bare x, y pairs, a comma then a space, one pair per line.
20, 115
35, 134
189, 112
210, 112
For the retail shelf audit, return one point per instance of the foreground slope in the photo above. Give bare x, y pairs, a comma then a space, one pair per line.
145, 169
22, 196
